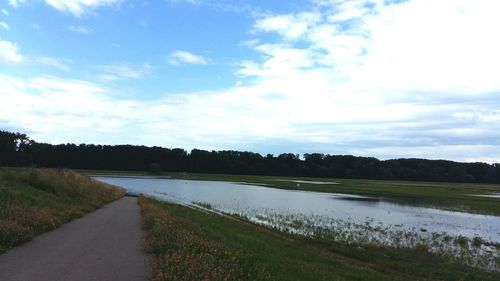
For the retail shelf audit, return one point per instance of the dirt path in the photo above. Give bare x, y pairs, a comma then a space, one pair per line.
103, 245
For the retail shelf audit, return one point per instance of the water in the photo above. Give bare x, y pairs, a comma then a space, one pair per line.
263, 203
310, 182
492, 195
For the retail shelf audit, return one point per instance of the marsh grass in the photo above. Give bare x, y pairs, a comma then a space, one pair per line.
193, 244
473, 251
203, 205
33, 201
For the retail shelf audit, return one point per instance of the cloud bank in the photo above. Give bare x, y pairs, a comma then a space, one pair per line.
388, 79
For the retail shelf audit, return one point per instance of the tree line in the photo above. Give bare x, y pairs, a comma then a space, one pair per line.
18, 149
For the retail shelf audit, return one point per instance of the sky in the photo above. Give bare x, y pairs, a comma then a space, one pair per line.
381, 78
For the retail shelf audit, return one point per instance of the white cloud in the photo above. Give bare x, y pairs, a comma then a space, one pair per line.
282, 61
9, 52
5, 12
79, 7
452, 51
290, 26
16, 3
181, 57
62, 64
222, 6
4, 25
121, 71
192, 2
388, 50
54, 105
78, 29
358, 70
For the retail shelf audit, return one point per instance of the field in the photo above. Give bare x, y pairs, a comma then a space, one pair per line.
448, 196
227, 248
193, 244
33, 201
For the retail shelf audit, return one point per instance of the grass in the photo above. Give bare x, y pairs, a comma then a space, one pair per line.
189, 244
33, 201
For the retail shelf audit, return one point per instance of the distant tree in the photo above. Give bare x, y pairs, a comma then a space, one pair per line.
154, 168
15, 149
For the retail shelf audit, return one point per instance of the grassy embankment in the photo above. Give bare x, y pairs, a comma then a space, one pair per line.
33, 201
189, 244
448, 196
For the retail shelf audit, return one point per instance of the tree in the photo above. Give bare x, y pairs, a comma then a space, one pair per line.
15, 149
154, 168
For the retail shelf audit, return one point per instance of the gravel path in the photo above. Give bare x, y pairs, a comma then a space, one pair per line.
104, 245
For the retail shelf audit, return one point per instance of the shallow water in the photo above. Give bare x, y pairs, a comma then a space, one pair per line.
259, 201
493, 195
310, 182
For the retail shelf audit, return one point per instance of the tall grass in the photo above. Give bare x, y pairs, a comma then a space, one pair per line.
33, 201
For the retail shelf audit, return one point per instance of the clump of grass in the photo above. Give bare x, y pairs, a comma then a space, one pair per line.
461, 241
181, 251
477, 241
204, 205
33, 201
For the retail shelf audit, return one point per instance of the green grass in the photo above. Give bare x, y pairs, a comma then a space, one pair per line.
33, 201
188, 244
447, 196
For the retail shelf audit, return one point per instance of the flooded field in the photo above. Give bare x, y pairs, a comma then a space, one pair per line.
338, 217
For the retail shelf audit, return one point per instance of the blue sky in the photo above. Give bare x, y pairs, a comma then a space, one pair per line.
389, 79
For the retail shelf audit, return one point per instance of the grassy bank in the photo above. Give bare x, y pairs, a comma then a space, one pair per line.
188, 244
33, 201
448, 196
